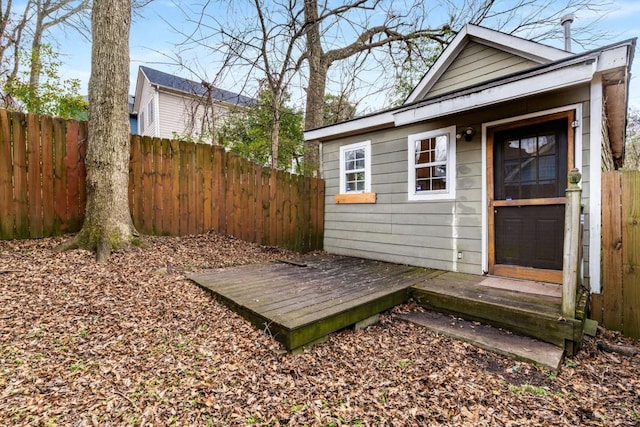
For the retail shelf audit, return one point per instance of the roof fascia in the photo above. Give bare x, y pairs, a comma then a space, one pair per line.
140, 80
194, 96
580, 69
534, 51
382, 119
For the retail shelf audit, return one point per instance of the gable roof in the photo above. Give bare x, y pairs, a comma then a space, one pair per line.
190, 87
532, 52
612, 62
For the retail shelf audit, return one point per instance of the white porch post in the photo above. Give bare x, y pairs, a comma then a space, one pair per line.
571, 260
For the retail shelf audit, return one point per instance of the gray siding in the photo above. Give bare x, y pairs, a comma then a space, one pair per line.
478, 63
427, 233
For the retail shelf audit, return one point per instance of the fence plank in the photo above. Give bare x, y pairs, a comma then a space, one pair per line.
71, 165
191, 188
6, 173
175, 187
273, 208
48, 209
199, 187
264, 190
611, 250
147, 200
158, 205
60, 176
46, 129
230, 188
207, 196
248, 223
167, 189
20, 177
631, 253
35, 188
82, 169
135, 182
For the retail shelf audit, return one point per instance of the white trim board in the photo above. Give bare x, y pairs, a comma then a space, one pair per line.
540, 83
595, 181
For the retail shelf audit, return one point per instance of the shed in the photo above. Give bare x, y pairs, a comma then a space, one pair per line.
469, 174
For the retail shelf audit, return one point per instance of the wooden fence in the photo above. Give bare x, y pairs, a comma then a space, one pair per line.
618, 306
175, 188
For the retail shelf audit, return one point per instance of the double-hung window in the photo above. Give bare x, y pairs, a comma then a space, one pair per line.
355, 168
432, 164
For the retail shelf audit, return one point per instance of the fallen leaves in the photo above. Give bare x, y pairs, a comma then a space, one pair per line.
133, 342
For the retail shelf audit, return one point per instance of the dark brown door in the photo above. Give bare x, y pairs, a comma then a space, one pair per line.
527, 198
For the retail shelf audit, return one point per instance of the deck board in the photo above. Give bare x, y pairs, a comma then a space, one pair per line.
300, 304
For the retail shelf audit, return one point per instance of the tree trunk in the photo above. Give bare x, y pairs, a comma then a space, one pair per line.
35, 66
275, 134
317, 83
108, 223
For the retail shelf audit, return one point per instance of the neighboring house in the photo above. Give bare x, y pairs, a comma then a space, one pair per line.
168, 105
469, 174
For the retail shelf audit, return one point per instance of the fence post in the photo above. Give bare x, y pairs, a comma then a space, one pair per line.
572, 231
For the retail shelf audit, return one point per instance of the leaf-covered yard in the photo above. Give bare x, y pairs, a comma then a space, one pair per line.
132, 342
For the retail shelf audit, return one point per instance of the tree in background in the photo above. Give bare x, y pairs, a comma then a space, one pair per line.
632, 143
24, 27
108, 223
52, 96
248, 133
310, 39
337, 108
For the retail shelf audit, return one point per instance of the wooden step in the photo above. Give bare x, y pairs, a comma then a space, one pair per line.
537, 316
492, 339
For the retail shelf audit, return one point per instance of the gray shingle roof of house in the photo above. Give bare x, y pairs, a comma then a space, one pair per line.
180, 84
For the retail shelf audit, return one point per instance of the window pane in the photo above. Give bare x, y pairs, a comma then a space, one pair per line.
354, 159
547, 168
349, 155
529, 145
547, 144
431, 178
512, 149
441, 148
355, 181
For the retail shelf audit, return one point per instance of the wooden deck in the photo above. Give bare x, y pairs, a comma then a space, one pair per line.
301, 302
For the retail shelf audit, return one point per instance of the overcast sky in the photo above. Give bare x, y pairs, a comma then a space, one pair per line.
153, 43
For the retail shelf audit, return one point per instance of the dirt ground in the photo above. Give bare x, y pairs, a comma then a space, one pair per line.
133, 342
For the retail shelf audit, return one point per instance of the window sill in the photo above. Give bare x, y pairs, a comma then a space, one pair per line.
355, 198
433, 197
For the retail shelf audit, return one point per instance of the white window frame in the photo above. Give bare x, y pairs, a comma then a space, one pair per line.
367, 166
450, 192
150, 112
141, 124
